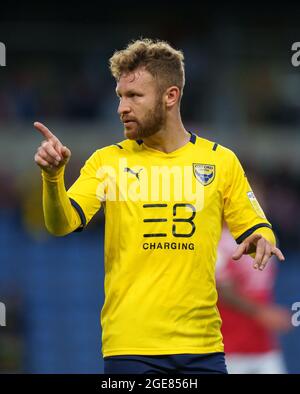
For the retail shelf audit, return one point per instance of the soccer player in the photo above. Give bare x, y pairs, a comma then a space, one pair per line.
165, 192
250, 317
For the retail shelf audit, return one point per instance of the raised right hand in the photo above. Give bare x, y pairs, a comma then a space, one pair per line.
52, 154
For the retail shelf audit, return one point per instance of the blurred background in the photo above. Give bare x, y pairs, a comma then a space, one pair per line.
241, 91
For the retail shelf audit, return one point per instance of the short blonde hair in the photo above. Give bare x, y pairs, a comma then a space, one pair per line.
163, 62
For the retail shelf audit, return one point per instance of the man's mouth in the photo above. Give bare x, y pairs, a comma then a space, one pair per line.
128, 122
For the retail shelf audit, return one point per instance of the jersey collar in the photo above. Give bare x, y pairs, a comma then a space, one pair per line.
192, 139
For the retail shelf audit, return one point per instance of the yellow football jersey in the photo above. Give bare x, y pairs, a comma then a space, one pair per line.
163, 219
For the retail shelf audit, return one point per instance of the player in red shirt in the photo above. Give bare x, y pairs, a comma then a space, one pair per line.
249, 315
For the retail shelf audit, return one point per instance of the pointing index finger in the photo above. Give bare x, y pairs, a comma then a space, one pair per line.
44, 131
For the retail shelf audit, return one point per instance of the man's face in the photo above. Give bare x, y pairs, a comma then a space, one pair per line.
141, 108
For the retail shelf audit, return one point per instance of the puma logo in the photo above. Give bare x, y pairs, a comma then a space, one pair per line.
137, 174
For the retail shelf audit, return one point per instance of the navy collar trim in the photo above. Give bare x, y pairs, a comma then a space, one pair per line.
192, 139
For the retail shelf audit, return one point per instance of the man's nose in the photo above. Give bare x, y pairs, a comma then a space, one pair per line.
123, 108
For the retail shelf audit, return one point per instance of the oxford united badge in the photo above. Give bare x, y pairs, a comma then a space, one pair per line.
205, 173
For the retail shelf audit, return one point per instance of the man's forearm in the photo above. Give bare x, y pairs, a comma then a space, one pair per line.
60, 217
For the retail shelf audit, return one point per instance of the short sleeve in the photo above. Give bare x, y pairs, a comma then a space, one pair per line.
242, 212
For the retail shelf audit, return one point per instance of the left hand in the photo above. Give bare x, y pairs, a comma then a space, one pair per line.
263, 250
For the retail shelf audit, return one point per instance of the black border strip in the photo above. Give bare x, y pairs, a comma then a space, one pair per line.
246, 234
80, 213
155, 235
154, 205
155, 220
193, 137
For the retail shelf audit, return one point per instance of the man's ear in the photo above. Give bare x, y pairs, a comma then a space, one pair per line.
172, 96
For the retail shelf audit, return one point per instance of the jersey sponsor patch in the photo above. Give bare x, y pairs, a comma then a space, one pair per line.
255, 204
204, 173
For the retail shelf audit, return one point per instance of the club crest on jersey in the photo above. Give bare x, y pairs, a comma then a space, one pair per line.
204, 173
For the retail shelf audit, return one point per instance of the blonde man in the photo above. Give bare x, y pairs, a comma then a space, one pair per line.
161, 236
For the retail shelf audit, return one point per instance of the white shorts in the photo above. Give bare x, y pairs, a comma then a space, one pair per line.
261, 363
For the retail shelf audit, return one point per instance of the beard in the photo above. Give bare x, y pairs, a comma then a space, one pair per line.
152, 122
